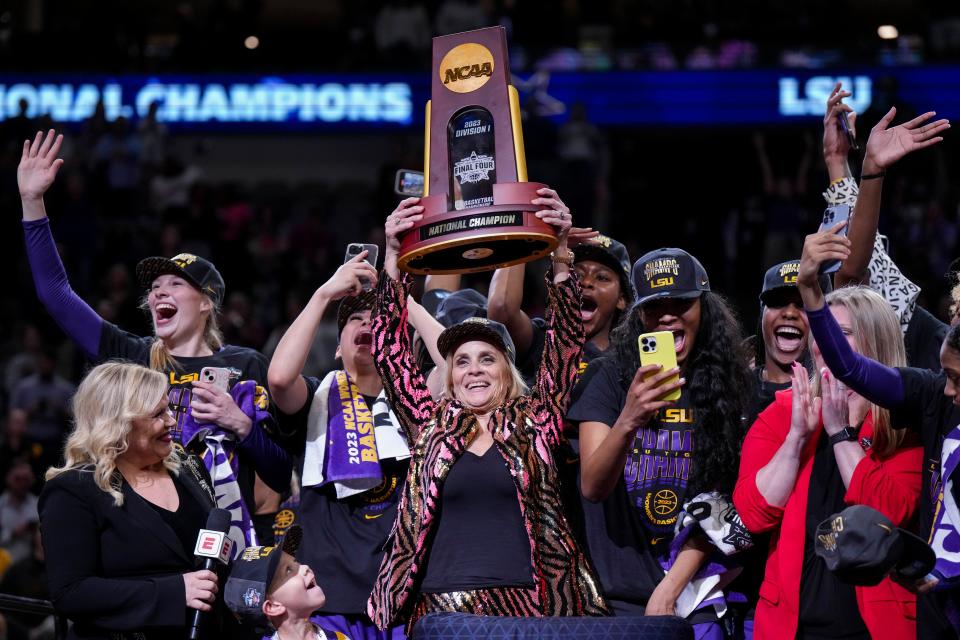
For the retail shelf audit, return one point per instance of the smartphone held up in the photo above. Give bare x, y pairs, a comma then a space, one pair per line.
219, 377
356, 248
657, 348
832, 216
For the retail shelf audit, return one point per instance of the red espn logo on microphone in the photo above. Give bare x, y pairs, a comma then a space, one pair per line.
213, 544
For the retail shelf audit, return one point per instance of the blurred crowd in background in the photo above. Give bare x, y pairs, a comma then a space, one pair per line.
355, 35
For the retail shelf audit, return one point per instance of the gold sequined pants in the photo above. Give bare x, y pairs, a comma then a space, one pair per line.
497, 601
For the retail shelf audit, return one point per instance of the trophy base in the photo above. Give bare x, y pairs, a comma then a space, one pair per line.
505, 233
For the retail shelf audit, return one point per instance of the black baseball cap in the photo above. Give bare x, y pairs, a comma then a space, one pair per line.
861, 546
198, 271
351, 304
610, 253
432, 298
668, 273
460, 305
251, 575
477, 329
784, 276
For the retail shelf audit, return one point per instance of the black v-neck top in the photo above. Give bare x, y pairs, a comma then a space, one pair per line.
480, 540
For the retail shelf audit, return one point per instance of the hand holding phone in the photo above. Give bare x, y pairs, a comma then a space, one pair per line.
833, 216
838, 125
847, 129
219, 377
657, 348
356, 248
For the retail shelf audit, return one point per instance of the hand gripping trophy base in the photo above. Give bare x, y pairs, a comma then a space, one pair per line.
505, 233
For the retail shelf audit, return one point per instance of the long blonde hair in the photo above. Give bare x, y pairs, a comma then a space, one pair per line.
160, 357
109, 399
510, 384
879, 338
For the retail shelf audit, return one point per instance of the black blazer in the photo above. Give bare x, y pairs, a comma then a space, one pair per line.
116, 569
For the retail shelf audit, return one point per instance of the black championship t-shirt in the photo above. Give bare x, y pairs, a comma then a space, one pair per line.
343, 539
828, 607
529, 363
933, 415
631, 528
248, 364
923, 340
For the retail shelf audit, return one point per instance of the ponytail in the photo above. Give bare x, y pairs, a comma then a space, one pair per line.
160, 357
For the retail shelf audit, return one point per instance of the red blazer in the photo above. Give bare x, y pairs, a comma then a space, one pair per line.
891, 486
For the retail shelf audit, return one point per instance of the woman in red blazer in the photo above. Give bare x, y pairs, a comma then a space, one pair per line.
803, 461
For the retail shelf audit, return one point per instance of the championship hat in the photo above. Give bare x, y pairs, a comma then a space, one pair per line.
668, 273
198, 271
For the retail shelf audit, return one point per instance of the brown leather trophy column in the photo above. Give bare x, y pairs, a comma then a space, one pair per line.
477, 213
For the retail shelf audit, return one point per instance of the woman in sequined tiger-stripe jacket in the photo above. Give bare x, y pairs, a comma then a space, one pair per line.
524, 430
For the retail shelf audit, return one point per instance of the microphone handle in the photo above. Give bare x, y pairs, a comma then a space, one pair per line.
209, 564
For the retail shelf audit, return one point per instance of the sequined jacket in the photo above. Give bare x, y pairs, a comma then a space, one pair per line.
525, 430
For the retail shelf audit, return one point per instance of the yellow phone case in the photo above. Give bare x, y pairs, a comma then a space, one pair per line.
657, 348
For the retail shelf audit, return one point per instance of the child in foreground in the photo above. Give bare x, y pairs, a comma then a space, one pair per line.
268, 589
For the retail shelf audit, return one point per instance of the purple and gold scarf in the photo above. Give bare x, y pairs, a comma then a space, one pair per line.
346, 439
216, 446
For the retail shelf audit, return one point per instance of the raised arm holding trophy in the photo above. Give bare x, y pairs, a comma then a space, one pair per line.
477, 212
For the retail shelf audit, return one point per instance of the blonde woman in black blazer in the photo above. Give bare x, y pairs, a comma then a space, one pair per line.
120, 518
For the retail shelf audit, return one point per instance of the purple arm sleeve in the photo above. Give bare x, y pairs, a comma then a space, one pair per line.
876, 382
74, 316
272, 463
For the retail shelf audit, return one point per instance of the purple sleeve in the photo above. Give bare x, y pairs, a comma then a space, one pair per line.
72, 314
876, 382
272, 463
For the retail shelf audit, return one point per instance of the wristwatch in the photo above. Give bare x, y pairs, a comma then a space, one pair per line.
562, 258
846, 434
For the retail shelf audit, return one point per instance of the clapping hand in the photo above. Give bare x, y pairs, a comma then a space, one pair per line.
805, 416
836, 411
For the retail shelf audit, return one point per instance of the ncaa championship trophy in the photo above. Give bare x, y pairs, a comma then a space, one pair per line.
477, 214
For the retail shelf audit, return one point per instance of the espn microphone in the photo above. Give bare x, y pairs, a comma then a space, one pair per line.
214, 546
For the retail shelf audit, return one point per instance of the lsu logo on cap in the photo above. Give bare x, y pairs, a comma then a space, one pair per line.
661, 266
788, 272
184, 259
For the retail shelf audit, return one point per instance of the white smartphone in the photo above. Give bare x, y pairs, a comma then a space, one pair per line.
217, 376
